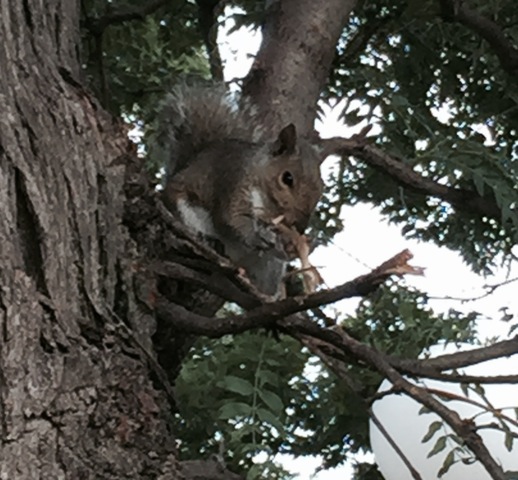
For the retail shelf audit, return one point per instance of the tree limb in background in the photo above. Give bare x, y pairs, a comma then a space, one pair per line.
123, 14
405, 175
394, 445
500, 349
208, 13
455, 10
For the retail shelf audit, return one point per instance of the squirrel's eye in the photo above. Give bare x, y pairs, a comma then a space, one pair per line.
287, 179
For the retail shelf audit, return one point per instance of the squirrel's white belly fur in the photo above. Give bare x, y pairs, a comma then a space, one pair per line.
257, 200
199, 220
196, 218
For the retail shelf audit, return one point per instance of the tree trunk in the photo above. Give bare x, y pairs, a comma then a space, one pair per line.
77, 400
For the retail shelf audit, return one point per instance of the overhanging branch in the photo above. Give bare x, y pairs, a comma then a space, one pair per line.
461, 199
455, 10
283, 314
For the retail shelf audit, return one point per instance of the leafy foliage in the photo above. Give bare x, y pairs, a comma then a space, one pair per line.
432, 87
253, 394
236, 394
131, 64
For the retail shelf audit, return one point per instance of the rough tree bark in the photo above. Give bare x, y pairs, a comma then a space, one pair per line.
76, 396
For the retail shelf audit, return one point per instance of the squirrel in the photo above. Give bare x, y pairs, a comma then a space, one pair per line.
231, 181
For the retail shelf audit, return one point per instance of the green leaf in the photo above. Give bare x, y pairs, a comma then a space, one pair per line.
479, 389
432, 429
268, 377
237, 385
237, 435
272, 362
448, 462
458, 440
268, 417
424, 410
234, 410
479, 184
272, 400
509, 440
439, 446
465, 389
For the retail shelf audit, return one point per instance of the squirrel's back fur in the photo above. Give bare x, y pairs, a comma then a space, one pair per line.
192, 118
229, 180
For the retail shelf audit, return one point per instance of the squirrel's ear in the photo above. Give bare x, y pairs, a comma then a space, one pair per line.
286, 142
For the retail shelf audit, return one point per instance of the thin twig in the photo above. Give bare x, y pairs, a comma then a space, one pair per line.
394, 445
490, 289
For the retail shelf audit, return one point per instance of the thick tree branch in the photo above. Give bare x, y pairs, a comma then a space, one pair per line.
271, 314
267, 314
461, 199
308, 32
457, 10
421, 370
451, 361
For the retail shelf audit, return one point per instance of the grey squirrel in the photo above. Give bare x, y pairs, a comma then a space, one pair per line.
229, 180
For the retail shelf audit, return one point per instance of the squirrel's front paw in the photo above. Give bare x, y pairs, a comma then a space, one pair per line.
270, 240
266, 237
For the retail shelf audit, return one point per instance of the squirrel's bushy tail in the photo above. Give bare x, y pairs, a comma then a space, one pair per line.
191, 118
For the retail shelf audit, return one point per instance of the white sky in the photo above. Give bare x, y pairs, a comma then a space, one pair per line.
368, 240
